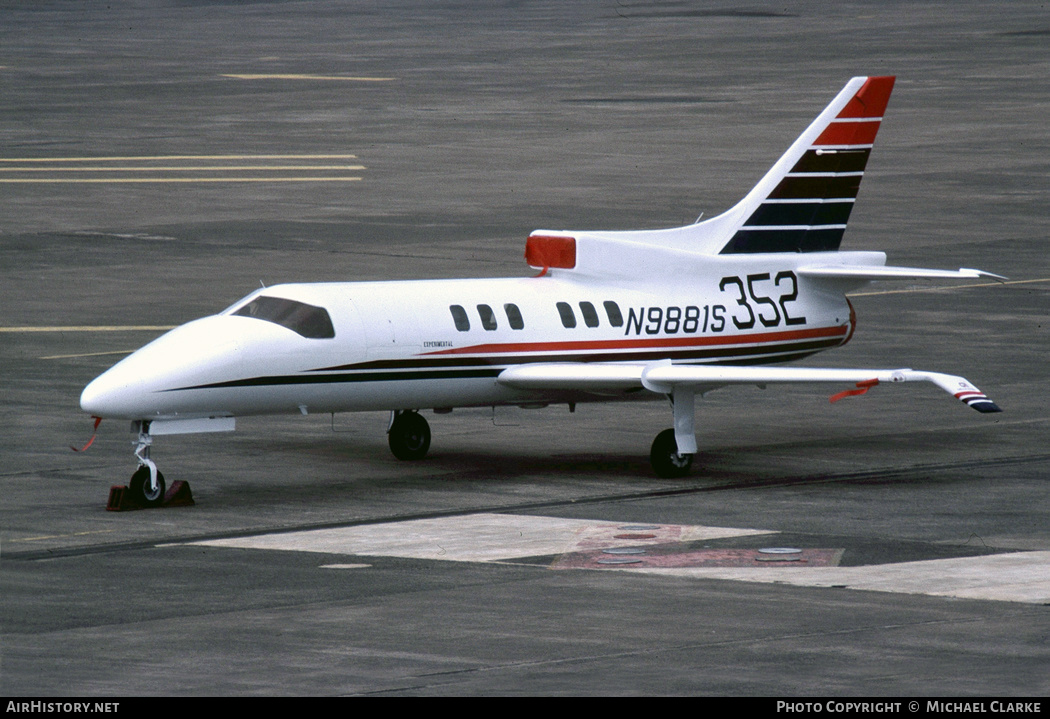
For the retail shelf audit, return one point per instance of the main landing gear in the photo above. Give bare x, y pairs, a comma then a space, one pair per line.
666, 460
409, 435
673, 449
409, 439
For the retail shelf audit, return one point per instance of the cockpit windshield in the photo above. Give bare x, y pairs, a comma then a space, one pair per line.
307, 320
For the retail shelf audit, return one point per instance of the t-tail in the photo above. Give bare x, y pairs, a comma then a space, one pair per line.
802, 203
805, 200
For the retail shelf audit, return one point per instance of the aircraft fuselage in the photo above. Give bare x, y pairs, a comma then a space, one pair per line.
443, 343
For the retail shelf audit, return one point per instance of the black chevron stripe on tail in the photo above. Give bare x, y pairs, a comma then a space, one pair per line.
807, 210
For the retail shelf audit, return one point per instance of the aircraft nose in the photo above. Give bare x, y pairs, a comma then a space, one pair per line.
103, 395
140, 386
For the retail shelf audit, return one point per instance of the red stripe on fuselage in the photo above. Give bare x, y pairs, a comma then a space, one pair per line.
656, 343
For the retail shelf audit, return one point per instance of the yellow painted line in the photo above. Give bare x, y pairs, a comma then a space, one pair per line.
153, 158
146, 180
90, 328
944, 289
87, 354
287, 76
187, 168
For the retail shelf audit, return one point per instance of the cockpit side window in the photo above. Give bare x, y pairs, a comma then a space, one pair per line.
307, 320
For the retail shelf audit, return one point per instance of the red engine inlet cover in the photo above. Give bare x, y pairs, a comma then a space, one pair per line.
547, 251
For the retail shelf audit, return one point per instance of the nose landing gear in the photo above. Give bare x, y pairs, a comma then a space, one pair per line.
147, 483
147, 488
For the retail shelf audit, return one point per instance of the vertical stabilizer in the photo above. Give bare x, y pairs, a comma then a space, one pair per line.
804, 201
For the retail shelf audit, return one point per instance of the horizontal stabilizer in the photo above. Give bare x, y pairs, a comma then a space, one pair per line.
853, 272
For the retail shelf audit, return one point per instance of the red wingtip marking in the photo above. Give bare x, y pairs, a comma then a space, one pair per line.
862, 388
871, 99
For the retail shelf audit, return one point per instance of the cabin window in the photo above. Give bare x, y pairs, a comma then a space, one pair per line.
459, 316
613, 311
306, 320
488, 317
568, 318
514, 316
590, 316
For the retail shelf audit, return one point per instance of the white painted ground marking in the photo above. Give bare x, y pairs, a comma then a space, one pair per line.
1014, 577
473, 538
344, 566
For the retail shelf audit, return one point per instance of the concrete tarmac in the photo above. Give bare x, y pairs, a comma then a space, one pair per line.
159, 160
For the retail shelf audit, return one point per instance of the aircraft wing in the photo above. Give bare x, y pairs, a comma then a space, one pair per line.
588, 376
667, 378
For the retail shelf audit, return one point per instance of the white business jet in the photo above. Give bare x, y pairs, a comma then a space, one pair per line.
612, 316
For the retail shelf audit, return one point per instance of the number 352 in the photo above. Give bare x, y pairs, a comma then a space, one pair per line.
764, 299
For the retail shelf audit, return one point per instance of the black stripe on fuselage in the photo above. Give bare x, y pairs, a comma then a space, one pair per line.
503, 360
490, 367
277, 380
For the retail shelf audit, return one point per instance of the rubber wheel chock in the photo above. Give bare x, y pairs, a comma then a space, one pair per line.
120, 499
178, 495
